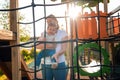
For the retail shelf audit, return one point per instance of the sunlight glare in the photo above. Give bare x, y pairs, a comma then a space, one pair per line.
74, 11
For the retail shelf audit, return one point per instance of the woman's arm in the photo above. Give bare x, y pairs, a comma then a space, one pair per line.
63, 46
63, 49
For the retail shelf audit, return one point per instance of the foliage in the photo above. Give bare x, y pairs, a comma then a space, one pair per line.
53, 0
85, 3
24, 34
28, 54
1, 73
25, 54
3, 77
4, 16
4, 22
32, 52
89, 3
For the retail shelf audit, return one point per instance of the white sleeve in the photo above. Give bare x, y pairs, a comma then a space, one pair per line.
64, 34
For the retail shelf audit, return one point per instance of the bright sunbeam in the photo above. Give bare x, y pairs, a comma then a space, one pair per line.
74, 11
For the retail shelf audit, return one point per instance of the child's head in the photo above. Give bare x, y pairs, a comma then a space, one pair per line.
51, 30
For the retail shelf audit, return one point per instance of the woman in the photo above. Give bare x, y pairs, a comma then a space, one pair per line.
60, 72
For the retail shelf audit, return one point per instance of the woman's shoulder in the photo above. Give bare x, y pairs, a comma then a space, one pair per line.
62, 33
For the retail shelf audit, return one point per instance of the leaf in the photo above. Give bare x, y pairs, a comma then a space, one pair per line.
91, 3
53, 0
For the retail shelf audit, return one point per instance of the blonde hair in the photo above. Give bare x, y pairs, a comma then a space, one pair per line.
52, 17
52, 20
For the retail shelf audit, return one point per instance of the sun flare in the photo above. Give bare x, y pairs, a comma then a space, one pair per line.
74, 11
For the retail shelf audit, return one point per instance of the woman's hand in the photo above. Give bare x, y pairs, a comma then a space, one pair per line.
55, 56
62, 51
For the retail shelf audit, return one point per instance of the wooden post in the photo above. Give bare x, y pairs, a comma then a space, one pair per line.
15, 54
106, 45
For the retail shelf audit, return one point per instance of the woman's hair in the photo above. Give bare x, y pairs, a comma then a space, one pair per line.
52, 20
52, 23
52, 17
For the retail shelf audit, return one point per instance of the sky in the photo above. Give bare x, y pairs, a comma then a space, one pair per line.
39, 13
58, 10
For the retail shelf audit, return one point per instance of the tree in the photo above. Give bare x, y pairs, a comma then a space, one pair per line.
4, 16
86, 3
24, 34
4, 22
90, 3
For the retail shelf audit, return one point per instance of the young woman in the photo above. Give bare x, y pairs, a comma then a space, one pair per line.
60, 72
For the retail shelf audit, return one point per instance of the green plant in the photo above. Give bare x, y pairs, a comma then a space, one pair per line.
1, 73
25, 54
4, 22
4, 16
32, 52
85, 3
24, 34
28, 54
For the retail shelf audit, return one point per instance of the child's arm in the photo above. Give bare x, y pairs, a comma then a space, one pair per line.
42, 45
